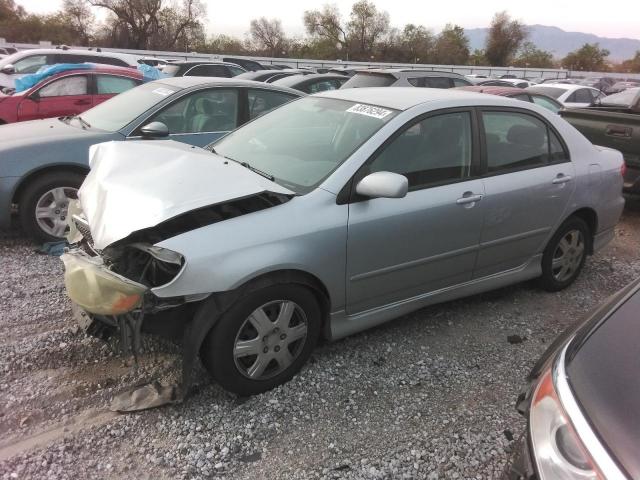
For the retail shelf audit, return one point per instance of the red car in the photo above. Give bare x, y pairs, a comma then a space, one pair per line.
67, 93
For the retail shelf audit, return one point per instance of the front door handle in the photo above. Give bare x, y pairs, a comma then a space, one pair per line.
468, 198
561, 178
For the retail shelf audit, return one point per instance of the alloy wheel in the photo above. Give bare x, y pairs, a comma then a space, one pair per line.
270, 339
568, 255
51, 210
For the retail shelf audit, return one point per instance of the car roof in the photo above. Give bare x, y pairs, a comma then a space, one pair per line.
493, 90
189, 82
299, 78
131, 59
403, 98
202, 62
569, 87
418, 72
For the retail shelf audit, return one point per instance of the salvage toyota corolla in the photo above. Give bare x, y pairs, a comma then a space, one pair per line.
330, 215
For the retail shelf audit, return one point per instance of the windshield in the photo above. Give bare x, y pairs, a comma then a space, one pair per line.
551, 91
302, 142
624, 99
119, 111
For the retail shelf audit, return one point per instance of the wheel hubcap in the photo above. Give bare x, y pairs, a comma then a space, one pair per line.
270, 339
568, 255
51, 210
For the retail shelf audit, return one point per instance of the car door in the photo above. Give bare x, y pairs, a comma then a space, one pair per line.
199, 117
405, 247
63, 96
528, 183
106, 86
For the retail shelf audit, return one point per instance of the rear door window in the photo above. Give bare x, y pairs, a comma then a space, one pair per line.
582, 95
111, 84
514, 141
261, 101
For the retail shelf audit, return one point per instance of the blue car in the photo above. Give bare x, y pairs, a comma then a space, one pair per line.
43, 162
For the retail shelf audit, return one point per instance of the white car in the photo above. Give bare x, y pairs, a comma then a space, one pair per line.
569, 95
506, 82
25, 62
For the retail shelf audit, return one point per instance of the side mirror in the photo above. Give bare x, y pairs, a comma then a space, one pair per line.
8, 69
35, 96
154, 130
383, 185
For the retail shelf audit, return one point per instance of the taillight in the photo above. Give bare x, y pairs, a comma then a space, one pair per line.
623, 169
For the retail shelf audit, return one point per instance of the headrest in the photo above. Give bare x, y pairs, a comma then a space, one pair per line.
524, 135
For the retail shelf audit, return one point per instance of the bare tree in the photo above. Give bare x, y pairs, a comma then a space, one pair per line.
452, 46
504, 39
326, 25
79, 17
366, 27
144, 20
268, 35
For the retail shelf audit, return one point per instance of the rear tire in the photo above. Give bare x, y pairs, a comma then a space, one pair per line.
47, 197
263, 340
565, 254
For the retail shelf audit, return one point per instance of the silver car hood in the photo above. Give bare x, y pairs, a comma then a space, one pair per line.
138, 184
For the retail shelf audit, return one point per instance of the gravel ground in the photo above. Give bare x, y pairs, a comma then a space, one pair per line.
430, 395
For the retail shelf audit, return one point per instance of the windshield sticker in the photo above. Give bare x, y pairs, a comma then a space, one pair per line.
163, 91
369, 110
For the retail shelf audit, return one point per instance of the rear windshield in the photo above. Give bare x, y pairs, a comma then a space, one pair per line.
170, 70
623, 99
361, 80
551, 91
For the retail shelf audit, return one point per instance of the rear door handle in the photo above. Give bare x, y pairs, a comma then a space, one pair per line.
561, 178
467, 198
618, 131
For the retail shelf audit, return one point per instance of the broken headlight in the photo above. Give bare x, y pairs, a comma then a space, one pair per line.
146, 264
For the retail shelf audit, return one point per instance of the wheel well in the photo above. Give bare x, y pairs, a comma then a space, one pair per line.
43, 171
302, 278
591, 219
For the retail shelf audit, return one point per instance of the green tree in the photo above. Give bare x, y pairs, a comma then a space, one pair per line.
417, 43
452, 46
633, 64
590, 57
478, 58
533, 57
504, 39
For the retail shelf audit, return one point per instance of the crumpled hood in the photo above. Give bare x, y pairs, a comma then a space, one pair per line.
138, 184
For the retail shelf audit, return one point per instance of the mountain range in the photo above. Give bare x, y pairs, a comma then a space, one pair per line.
560, 42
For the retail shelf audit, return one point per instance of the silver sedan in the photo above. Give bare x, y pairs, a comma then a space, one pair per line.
330, 215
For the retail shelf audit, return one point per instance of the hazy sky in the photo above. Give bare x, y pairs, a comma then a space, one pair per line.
617, 19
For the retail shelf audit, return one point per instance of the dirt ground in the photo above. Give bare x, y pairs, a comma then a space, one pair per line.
430, 395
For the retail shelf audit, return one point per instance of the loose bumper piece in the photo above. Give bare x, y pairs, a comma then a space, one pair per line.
97, 289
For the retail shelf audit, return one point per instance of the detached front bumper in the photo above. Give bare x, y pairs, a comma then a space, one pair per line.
98, 290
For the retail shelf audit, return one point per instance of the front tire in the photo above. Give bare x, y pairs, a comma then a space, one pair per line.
44, 202
565, 254
263, 340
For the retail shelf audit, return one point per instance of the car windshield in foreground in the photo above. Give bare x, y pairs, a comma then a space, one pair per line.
550, 91
119, 111
622, 99
301, 143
